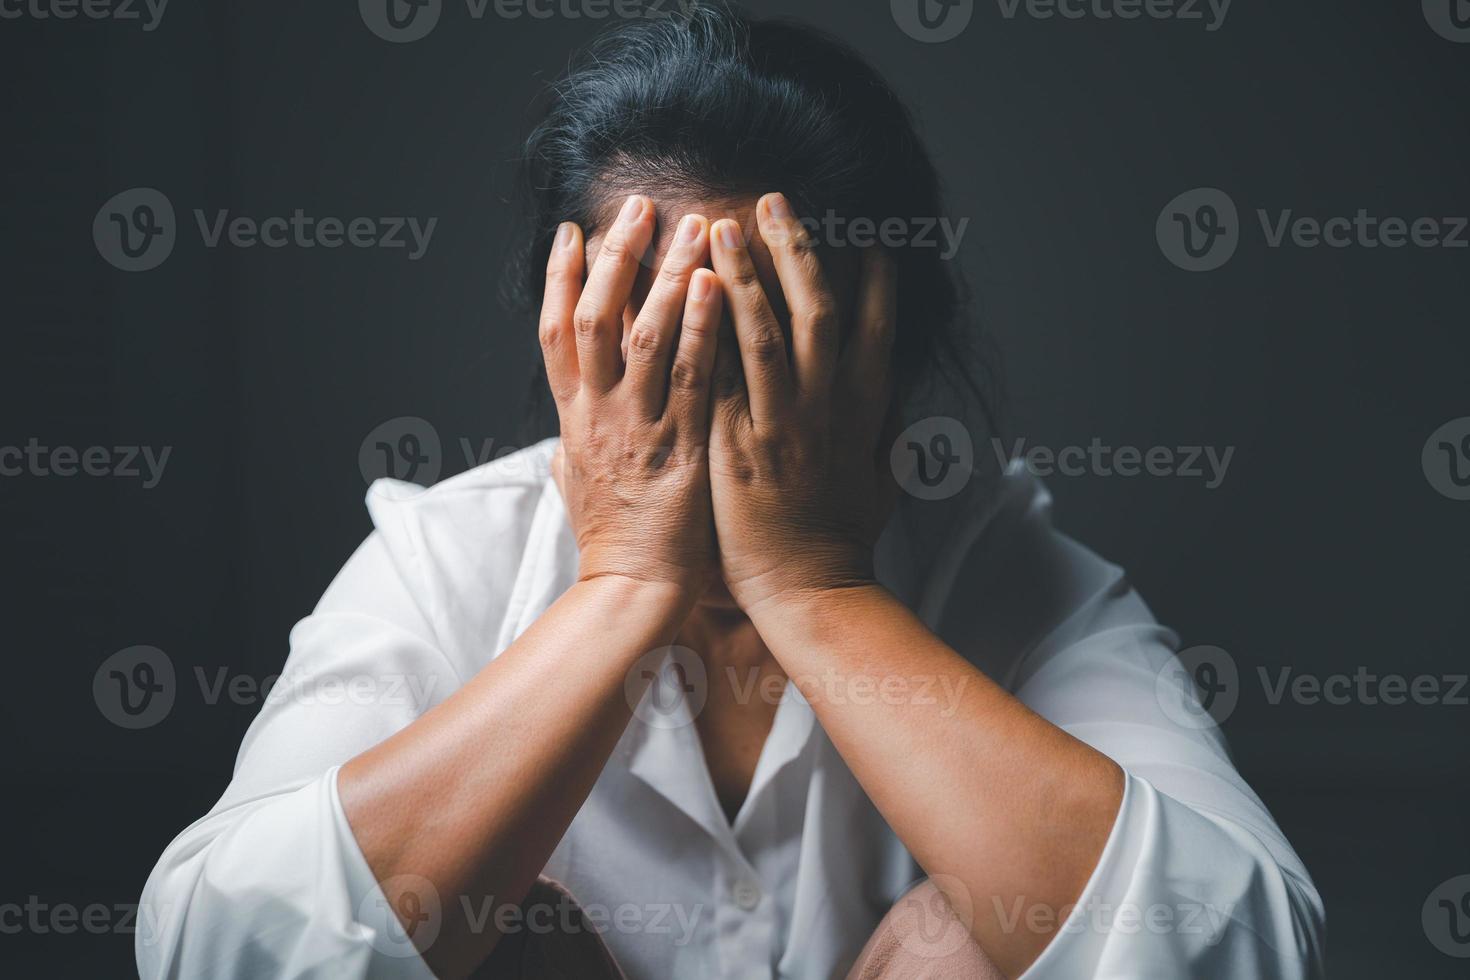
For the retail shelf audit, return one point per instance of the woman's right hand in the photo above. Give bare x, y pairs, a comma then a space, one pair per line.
633, 462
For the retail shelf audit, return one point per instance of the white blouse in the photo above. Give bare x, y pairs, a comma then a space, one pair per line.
1195, 881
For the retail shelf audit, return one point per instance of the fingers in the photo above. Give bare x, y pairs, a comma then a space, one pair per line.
865, 363
813, 309
651, 341
599, 316
563, 286
762, 348
694, 363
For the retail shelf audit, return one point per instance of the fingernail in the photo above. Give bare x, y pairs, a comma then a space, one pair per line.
729, 234
632, 208
778, 206
688, 230
699, 288
564, 235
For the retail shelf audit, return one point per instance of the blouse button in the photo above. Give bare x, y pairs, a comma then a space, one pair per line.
747, 894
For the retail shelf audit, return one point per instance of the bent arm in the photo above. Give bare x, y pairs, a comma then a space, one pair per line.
274, 880
474, 796
1006, 788
990, 798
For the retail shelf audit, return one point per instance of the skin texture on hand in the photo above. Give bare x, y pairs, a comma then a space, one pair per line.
797, 481
632, 465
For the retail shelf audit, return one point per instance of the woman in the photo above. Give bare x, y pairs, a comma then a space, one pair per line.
693, 681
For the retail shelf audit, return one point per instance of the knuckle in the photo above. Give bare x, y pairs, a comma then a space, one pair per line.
672, 273
615, 250
588, 321
685, 376
645, 341
801, 241
820, 313
694, 333
728, 382
551, 332
766, 349
745, 277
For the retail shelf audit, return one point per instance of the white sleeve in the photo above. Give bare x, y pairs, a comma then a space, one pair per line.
270, 883
1196, 879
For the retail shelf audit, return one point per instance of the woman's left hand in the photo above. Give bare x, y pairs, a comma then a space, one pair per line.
794, 471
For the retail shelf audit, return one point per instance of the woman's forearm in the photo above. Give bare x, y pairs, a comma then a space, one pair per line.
475, 795
983, 792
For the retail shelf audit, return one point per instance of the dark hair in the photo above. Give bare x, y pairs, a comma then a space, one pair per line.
715, 102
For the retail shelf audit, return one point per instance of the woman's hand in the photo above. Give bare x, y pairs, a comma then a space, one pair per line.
793, 455
633, 463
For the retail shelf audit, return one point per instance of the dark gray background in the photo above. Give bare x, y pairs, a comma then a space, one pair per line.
1326, 548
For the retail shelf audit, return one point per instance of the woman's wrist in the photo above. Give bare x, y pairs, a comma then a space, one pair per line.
650, 597
811, 610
